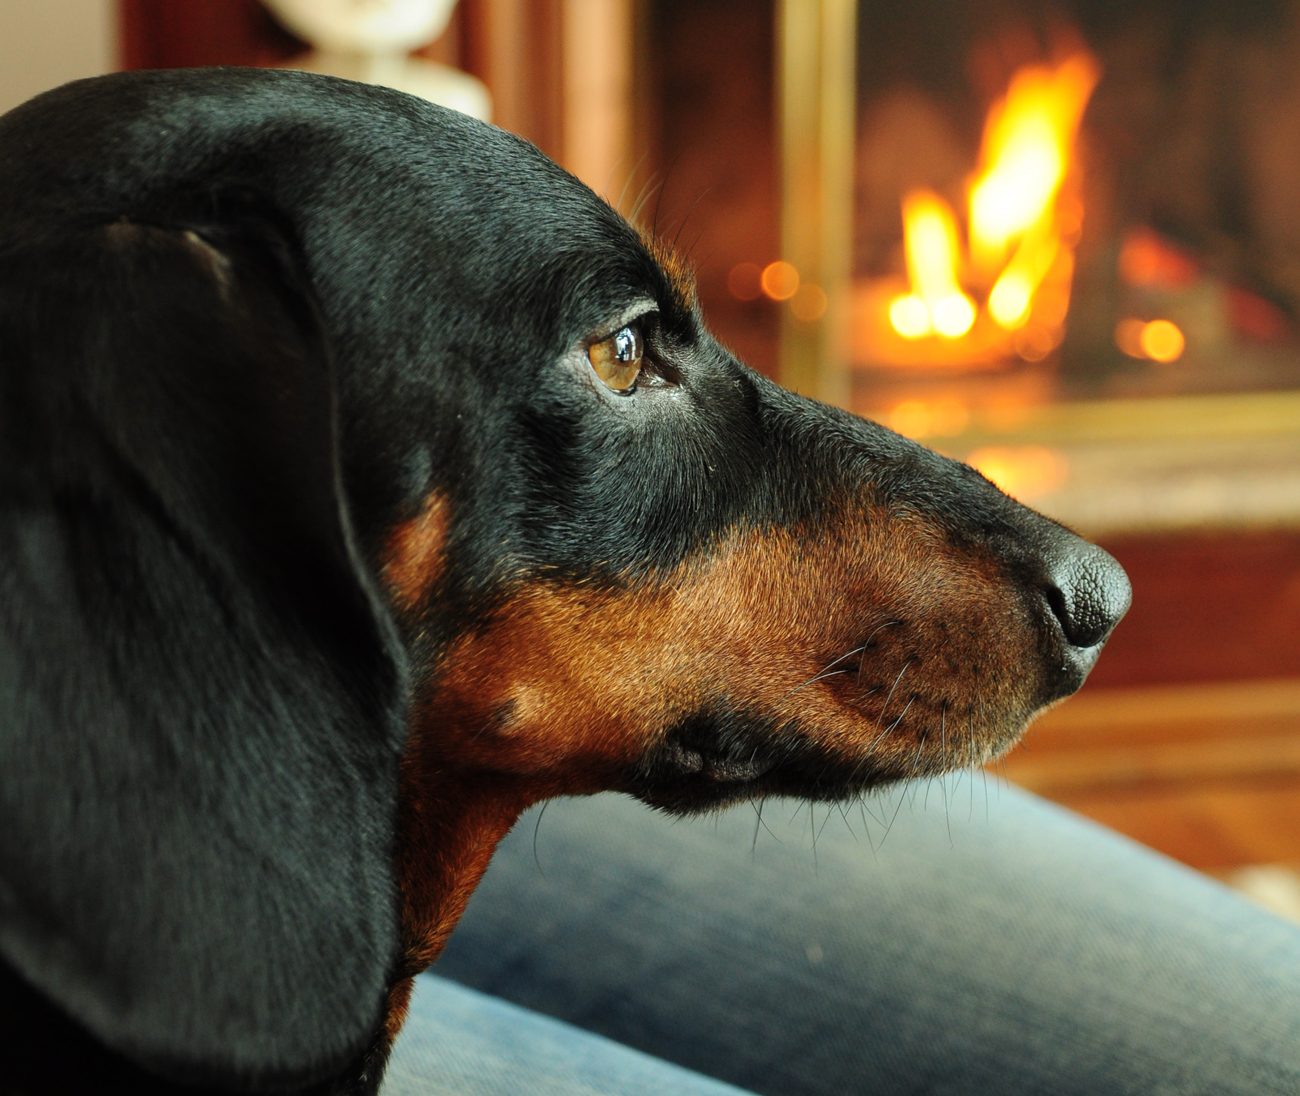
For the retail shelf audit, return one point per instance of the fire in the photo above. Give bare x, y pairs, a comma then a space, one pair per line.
937, 302
1028, 138
1021, 230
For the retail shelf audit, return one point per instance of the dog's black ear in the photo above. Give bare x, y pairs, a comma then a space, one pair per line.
201, 696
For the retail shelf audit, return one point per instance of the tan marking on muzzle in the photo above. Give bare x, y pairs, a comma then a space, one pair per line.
568, 686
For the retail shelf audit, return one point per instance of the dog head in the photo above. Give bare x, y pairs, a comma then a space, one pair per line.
368, 479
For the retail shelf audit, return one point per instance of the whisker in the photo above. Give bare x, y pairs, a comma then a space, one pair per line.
627, 181
866, 828
648, 188
890, 828
919, 747
537, 826
678, 234
890, 729
689, 251
866, 754
881, 718
844, 815
862, 801
826, 671
970, 723
943, 784
824, 821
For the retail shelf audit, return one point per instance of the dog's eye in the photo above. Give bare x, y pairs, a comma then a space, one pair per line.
617, 359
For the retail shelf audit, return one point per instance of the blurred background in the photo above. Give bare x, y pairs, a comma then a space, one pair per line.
1060, 241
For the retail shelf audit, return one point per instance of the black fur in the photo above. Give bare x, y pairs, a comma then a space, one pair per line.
248, 320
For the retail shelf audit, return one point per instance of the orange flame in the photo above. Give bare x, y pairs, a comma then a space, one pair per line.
1019, 241
1028, 138
936, 302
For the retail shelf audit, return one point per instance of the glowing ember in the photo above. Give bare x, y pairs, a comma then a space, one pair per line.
779, 280
1160, 340
1163, 341
1023, 222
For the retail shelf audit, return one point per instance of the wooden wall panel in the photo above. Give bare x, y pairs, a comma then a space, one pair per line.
714, 155
1206, 607
194, 33
513, 46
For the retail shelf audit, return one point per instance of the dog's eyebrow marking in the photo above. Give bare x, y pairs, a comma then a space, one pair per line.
124, 233
215, 259
413, 555
681, 278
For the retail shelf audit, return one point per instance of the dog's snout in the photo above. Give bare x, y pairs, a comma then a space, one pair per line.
1087, 591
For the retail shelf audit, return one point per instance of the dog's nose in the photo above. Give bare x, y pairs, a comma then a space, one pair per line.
1087, 591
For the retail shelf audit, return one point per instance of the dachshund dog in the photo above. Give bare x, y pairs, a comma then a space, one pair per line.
364, 479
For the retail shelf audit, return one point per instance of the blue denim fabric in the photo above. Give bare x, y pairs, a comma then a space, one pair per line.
458, 1042
983, 946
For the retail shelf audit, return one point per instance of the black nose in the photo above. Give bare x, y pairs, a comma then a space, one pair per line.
1087, 591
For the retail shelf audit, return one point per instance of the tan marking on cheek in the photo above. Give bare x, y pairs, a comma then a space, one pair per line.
566, 688
591, 677
586, 679
413, 559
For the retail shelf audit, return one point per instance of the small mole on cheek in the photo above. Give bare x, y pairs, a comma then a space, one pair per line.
503, 716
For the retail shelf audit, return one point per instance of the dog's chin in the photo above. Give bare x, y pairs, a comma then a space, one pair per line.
711, 762
687, 781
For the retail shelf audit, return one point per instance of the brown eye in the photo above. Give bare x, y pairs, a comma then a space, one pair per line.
617, 359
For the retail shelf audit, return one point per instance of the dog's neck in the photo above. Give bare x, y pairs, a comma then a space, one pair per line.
449, 825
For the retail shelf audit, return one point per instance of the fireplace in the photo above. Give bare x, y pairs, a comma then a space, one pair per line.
1064, 244
1141, 153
